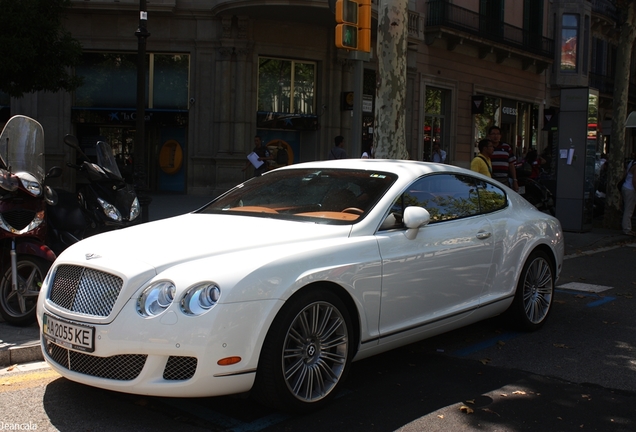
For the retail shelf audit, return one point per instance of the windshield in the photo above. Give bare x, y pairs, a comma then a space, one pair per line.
336, 196
106, 159
22, 146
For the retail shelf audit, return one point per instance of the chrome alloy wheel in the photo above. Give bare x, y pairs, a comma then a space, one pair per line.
538, 290
315, 351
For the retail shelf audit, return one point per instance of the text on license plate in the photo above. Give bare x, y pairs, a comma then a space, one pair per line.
70, 335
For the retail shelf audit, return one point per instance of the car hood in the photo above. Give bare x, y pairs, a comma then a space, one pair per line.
168, 242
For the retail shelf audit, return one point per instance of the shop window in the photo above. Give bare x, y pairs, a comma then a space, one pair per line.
110, 81
435, 124
569, 42
286, 86
490, 117
170, 81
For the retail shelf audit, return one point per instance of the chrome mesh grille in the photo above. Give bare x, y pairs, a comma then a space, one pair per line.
84, 290
124, 367
180, 368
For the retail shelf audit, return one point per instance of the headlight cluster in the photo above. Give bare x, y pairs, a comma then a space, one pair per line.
30, 183
112, 213
110, 210
196, 300
135, 209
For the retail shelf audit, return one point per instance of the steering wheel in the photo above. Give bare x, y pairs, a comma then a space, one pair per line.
354, 210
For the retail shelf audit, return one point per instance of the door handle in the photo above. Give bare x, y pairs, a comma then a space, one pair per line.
483, 235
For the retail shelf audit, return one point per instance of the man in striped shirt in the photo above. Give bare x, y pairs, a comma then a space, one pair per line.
503, 160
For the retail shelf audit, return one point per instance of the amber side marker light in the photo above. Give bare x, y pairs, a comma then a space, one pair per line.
227, 361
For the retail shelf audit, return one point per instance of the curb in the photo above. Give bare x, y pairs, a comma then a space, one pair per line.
25, 353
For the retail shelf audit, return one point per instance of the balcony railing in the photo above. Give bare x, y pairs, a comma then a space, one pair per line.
440, 13
606, 8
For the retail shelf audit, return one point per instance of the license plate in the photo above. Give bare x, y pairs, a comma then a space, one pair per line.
70, 335
522, 190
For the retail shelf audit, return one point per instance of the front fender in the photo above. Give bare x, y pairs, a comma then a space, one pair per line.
35, 248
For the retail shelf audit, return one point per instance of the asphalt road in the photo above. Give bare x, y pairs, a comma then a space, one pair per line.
577, 373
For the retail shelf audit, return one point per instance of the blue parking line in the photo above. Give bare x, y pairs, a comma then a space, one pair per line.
464, 352
599, 302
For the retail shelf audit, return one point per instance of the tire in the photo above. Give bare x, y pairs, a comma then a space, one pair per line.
306, 354
535, 293
18, 307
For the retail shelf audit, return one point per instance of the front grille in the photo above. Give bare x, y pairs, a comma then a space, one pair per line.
84, 290
180, 368
18, 219
123, 367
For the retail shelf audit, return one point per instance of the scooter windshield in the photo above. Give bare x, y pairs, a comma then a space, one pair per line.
22, 146
106, 159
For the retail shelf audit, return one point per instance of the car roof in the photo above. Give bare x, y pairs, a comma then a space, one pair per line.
403, 168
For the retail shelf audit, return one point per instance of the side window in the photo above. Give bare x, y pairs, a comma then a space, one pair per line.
491, 197
445, 196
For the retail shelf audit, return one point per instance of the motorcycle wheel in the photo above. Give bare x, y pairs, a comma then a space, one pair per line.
18, 306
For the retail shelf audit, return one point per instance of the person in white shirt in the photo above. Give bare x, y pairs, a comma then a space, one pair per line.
629, 198
439, 155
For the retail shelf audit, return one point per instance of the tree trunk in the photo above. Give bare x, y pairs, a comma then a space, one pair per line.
613, 213
389, 137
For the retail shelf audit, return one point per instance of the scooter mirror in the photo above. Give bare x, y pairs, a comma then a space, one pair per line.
54, 172
71, 141
50, 196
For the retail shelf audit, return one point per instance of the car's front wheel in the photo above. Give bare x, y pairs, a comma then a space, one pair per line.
306, 353
535, 292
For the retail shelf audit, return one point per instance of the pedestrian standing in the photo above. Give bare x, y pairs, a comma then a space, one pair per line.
629, 198
337, 151
439, 155
262, 154
481, 163
503, 160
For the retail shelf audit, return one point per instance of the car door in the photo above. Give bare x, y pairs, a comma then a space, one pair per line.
442, 271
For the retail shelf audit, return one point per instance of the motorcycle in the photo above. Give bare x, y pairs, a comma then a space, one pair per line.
24, 257
536, 194
104, 203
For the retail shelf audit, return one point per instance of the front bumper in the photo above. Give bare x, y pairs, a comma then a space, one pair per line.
170, 354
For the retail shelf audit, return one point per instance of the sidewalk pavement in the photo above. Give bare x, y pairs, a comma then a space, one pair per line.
19, 345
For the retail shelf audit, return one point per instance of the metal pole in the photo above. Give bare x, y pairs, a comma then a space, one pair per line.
139, 152
359, 58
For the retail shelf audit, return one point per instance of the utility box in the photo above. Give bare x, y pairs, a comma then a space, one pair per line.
577, 142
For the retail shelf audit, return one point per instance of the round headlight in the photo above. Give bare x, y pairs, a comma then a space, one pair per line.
110, 210
156, 298
200, 298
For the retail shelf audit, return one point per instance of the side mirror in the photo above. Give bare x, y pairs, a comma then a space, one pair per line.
71, 141
414, 218
54, 172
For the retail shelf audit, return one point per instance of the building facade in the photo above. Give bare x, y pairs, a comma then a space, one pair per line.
221, 71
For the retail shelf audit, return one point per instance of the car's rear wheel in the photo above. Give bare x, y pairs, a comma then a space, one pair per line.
535, 292
306, 353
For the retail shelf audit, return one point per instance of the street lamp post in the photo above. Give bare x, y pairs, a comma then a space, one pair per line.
139, 153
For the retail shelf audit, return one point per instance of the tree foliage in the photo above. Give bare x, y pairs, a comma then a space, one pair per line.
36, 51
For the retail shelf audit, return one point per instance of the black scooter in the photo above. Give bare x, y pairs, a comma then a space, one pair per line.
105, 203
536, 193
